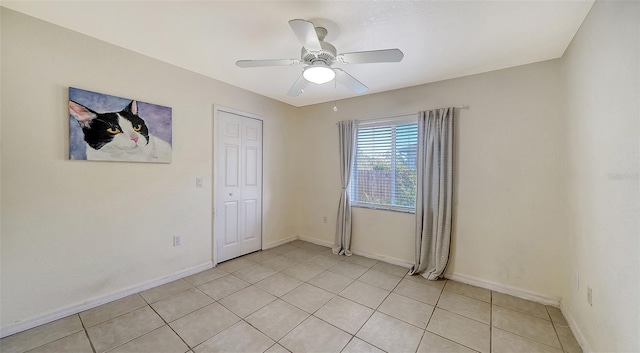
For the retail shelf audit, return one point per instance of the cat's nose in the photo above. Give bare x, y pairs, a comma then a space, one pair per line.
134, 137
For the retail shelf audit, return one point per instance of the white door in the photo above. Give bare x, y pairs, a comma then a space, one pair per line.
238, 190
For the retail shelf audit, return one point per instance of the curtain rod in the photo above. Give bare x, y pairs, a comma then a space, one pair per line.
464, 106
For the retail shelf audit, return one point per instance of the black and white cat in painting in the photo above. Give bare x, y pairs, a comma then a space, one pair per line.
119, 136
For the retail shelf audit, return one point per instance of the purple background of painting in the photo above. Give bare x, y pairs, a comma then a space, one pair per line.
157, 117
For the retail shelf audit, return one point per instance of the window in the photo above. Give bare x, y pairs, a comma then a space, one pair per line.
384, 169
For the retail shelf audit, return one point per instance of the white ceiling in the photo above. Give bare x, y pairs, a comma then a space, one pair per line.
440, 39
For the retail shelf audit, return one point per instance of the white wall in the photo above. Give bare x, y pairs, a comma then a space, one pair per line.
602, 159
508, 223
73, 231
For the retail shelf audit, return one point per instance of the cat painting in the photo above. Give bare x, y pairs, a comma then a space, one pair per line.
117, 135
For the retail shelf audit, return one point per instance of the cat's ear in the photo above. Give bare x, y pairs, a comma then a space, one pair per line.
82, 114
132, 108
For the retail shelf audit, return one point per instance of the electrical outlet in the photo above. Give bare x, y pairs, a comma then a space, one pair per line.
324, 220
177, 240
198, 182
590, 296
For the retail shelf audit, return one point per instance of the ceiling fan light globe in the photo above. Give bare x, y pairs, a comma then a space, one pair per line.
319, 74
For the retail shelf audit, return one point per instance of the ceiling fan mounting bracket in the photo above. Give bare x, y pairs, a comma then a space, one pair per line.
321, 32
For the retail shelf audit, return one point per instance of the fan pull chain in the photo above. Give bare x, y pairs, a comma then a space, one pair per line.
335, 87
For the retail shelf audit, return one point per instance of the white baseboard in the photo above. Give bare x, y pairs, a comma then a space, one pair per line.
278, 243
387, 259
573, 325
92, 303
383, 258
516, 292
316, 241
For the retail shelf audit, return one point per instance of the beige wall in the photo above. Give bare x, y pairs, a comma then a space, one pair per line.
73, 231
508, 223
602, 159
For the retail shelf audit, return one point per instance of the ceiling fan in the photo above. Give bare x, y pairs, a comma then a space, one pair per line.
319, 56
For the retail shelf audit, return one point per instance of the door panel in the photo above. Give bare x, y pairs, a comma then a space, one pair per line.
250, 219
231, 165
251, 161
238, 188
231, 223
251, 133
232, 129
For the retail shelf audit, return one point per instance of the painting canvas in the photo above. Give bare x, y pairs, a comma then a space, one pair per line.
109, 128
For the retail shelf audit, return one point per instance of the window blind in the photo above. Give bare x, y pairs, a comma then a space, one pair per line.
384, 170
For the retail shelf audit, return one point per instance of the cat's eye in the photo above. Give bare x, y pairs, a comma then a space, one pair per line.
113, 130
138, 128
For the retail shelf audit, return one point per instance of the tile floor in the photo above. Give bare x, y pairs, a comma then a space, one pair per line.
299, 297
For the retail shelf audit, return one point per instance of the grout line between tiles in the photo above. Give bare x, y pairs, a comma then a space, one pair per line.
522, 312
555, 330
557, 336
449, 339
491, 321
264, 333
171, 328
454, 313
93, 349
534, 340
345, 346
422, 336
134, 338
376, 310
435, 306
58, 339
86, 333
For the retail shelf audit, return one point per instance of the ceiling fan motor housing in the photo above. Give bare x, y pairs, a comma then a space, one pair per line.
327, 54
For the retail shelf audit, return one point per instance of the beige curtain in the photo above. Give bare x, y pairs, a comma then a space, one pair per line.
347, 134
434, 195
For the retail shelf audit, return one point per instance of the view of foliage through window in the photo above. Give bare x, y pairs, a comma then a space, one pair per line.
384, 171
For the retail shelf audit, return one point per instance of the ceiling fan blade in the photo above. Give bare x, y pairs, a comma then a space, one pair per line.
271, 62
350, 82
306, 33
298, 87
374, 56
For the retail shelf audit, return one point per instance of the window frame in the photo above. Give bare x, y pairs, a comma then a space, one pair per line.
373, 123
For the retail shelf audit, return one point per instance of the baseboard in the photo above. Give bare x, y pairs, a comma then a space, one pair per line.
367, 254
328, 244
278, 243
573, 325
387, 259
516, 292
92, 303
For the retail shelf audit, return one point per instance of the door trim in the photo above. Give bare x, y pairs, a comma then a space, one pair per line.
220, 108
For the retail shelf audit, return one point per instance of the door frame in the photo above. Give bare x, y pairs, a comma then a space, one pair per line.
216, 109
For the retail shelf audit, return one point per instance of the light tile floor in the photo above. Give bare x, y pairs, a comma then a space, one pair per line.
299, 297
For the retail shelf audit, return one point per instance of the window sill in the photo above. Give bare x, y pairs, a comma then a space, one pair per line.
383, 208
